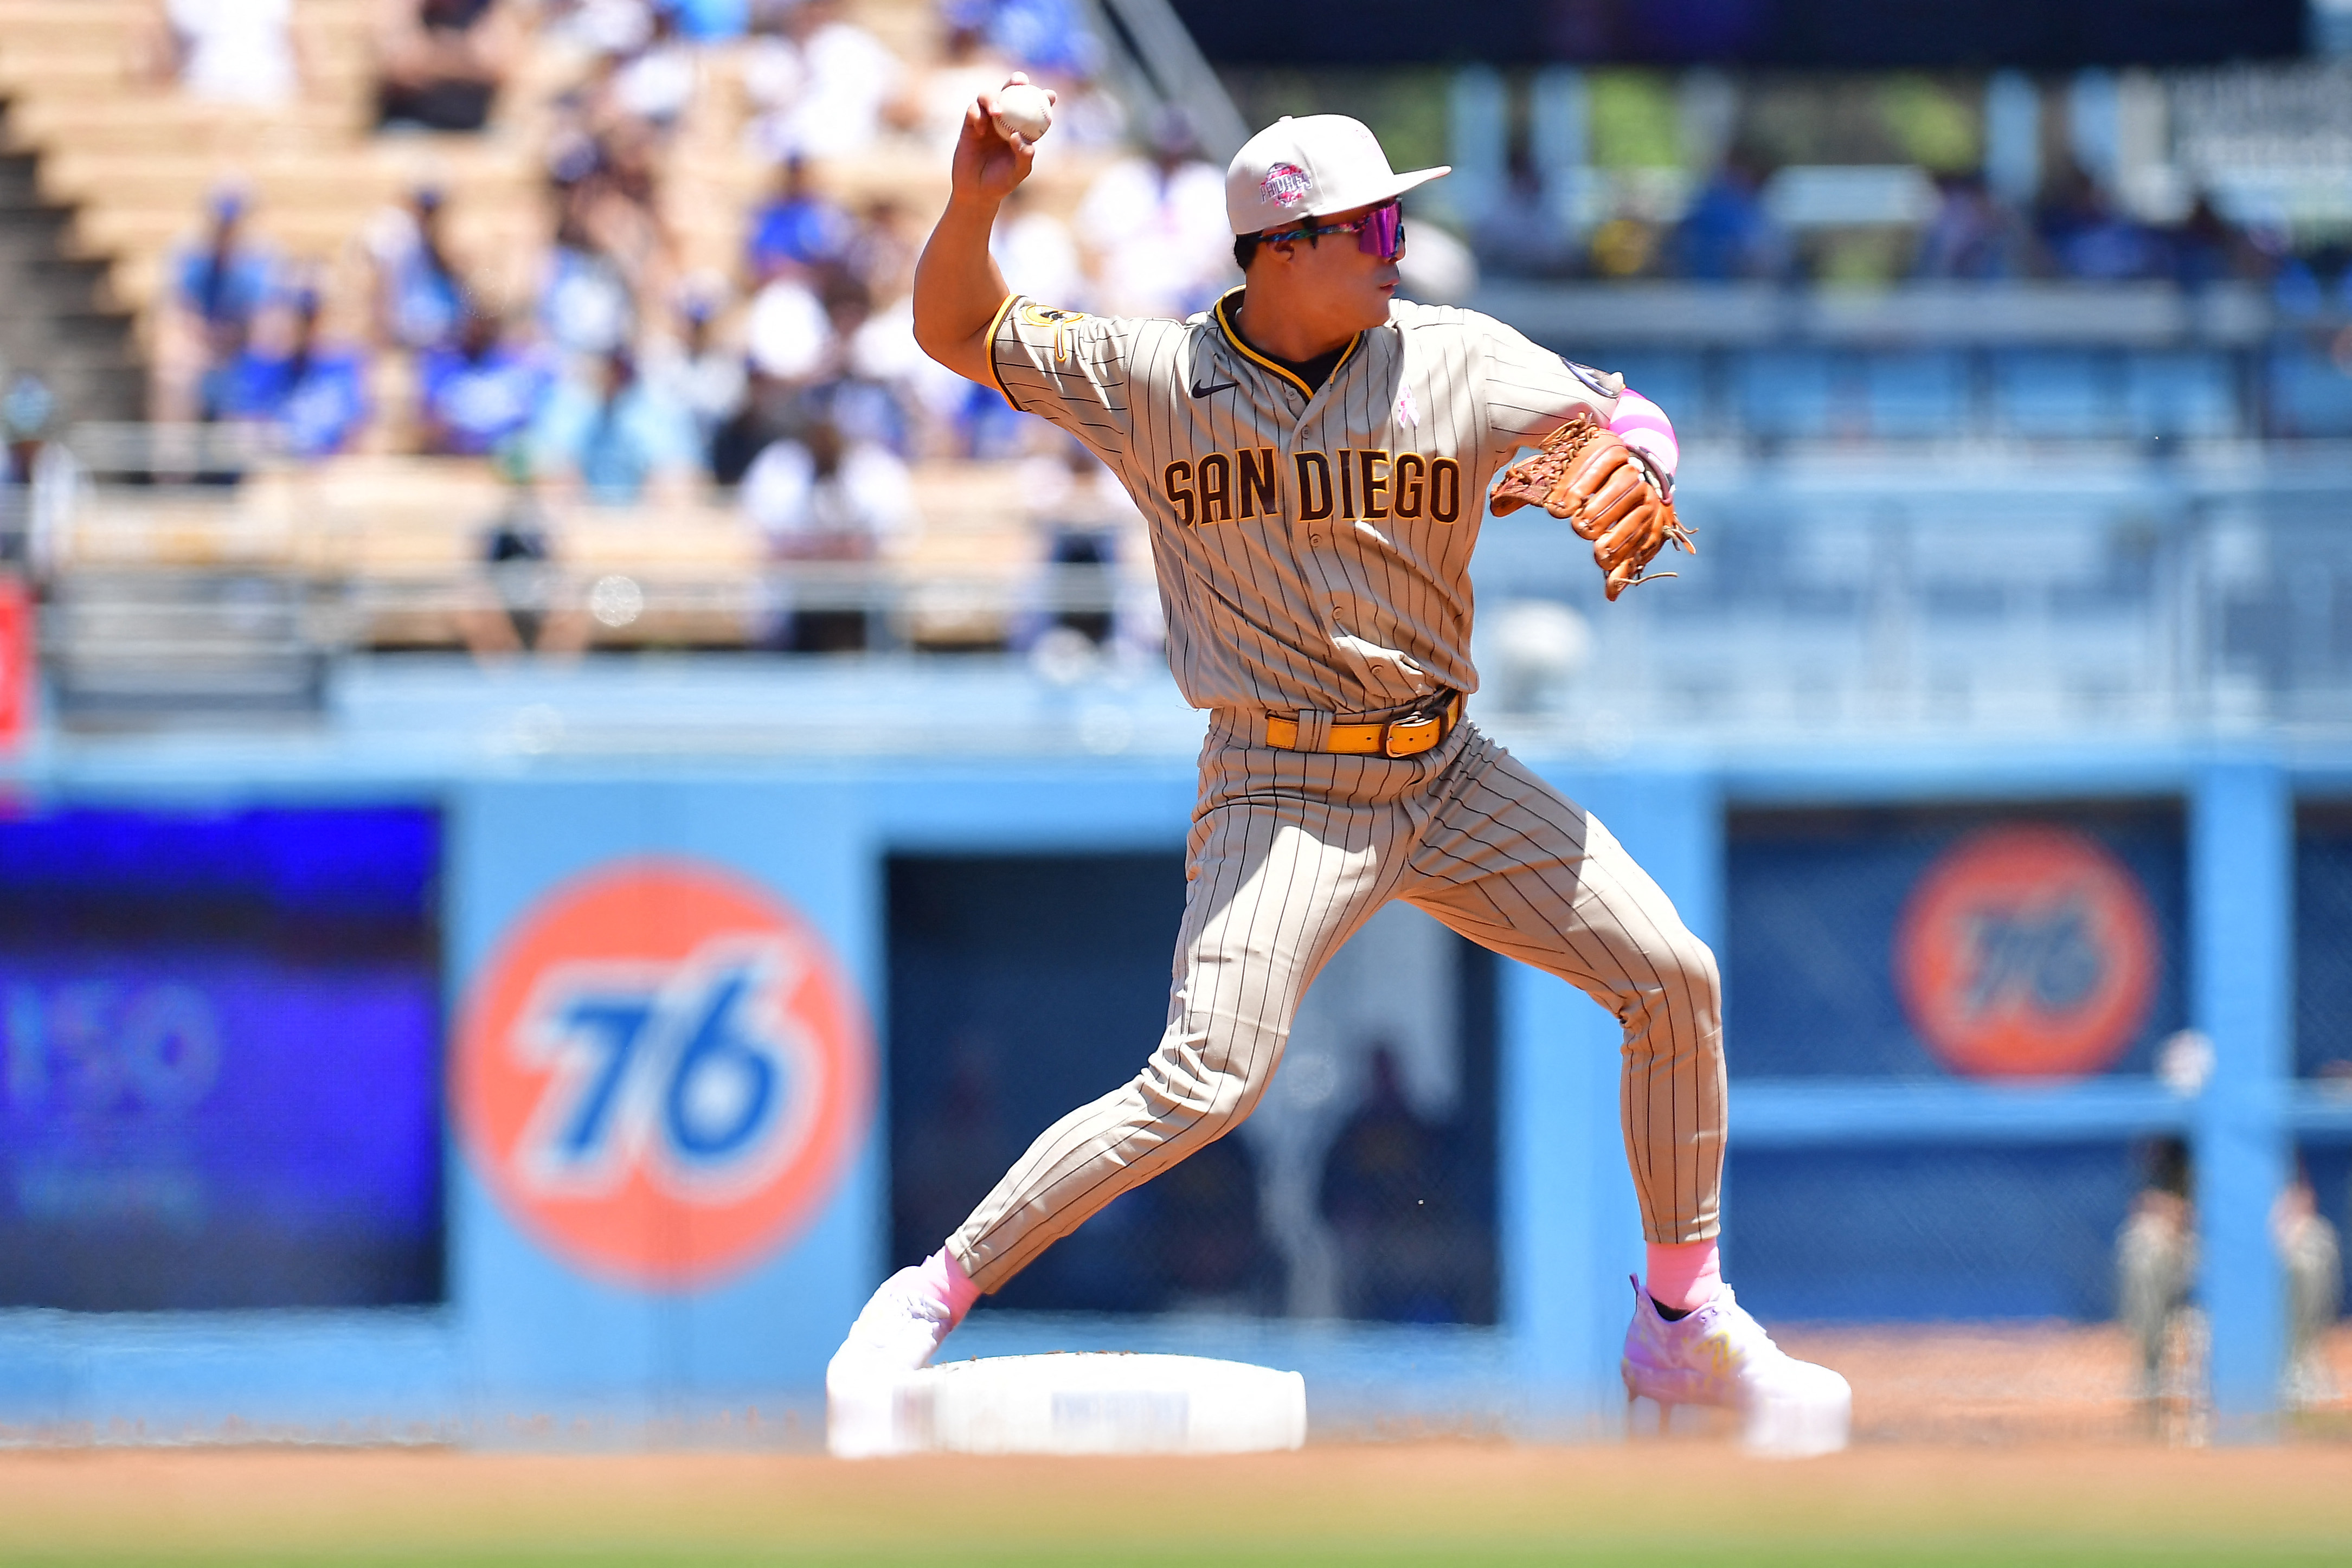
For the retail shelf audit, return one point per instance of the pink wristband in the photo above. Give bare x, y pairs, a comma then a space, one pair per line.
1644, 427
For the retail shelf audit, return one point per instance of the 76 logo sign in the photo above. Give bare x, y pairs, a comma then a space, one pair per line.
662, 1073
689, 1072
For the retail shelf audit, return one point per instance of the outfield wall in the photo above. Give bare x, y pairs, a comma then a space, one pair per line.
612, 1275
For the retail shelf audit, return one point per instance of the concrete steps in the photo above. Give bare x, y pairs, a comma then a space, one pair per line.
54, 321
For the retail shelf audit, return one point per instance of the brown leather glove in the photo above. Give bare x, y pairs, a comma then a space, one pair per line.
1588, 477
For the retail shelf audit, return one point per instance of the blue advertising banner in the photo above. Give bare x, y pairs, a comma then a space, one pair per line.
1930, 942
219, 1059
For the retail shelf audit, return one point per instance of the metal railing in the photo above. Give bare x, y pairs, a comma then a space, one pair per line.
1895, 602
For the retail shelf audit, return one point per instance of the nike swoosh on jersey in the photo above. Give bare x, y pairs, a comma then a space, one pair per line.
1200, 391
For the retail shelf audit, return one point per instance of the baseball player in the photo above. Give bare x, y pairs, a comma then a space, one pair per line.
1313, 455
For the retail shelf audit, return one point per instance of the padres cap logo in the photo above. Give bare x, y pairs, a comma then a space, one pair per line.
662, 1073
2027, 950
1286, 186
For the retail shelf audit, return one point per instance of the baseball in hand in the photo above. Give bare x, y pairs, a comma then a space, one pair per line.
1022, 111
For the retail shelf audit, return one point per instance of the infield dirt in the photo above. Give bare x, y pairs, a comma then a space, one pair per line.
1993, 1446
1423, 1503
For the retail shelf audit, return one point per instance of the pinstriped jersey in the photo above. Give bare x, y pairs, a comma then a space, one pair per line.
1312, 546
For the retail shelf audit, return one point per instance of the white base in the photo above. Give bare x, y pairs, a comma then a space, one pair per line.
1799, 1428
1095, 1403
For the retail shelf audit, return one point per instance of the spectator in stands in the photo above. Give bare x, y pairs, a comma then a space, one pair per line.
1520, 236
1038, 254
1726, 235
1156, 226
770, 413
2087, 238
1085, 523
712, 21
585, 303
819, 84
853, 383
786, 333
218, 285
1627, 245
607, 28
823, 497
1971, 235
440, 63
1046, 37
40, 480
798, 226
615, 437
243, 52
614, 251
478, 393
967, 67
420, 295
2205, 248
653, 82
883, 249
694, 369
529, 609
313, 393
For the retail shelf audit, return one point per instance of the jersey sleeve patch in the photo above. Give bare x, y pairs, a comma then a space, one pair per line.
1607, 384
1046, 318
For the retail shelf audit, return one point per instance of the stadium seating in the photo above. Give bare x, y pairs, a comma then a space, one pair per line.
134, 160
2310, 391
1915, 396
2057, 394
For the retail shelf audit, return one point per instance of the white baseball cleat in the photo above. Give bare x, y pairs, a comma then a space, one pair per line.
895, 1335
1719, 1355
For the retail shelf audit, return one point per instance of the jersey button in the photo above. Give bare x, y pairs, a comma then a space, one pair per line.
1314, 539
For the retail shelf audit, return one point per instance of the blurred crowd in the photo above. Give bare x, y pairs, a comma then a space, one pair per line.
1728, 231
614, 372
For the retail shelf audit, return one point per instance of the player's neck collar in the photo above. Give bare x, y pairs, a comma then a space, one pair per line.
1222, 314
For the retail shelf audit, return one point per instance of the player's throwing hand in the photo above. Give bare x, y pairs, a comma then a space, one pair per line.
988, 162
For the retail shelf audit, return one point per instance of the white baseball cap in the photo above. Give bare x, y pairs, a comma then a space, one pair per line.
1297, 169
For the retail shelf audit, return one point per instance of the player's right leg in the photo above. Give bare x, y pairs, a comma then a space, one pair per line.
1278, 883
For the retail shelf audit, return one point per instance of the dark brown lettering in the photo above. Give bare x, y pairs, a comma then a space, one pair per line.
1372, 459
1410, 467
1257, 483
1445, 490
1217, 488
1177, 480
1314, 486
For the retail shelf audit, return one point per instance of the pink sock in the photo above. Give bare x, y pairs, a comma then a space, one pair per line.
1684, 1278
950, 1284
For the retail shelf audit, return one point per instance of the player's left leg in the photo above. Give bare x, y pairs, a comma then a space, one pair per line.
1516, 867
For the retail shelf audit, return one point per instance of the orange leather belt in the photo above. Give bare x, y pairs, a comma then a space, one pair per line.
1407, 737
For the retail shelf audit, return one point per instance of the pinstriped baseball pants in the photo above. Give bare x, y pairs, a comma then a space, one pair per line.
1290, 854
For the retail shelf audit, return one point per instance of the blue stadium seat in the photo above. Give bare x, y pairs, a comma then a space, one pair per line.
1915, 396
2060, 393
1789, 393
2310, 393
2188, 392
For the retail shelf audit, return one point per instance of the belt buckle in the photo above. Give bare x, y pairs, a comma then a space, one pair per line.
1389, 737
1421, 719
